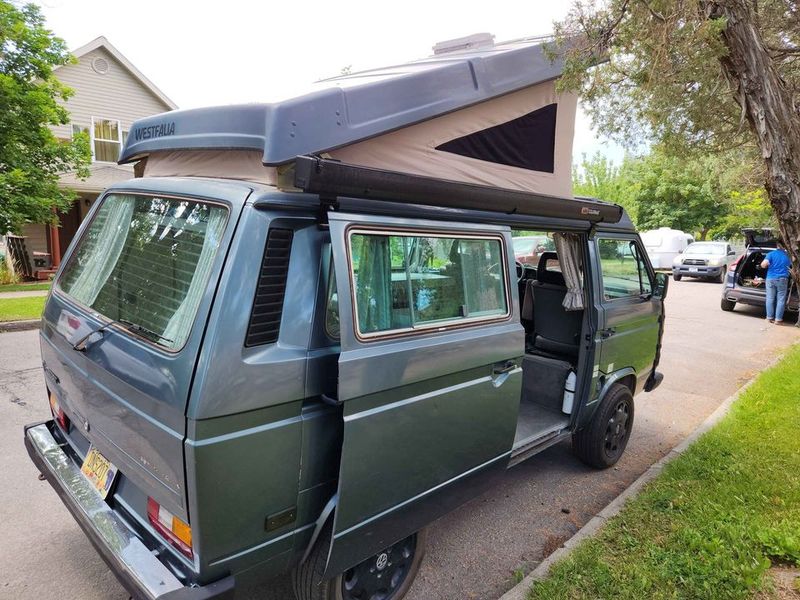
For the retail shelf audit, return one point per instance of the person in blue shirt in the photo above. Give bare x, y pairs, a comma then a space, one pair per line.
777, 264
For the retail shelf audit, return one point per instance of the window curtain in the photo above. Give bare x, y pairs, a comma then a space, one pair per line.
180, 324
104, 253
374, 284
480, 259
569, 249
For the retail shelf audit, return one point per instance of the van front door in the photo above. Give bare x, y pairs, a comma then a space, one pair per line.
429, 373
628, 335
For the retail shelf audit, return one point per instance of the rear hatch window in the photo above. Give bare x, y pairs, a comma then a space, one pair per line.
760, 238
144, 261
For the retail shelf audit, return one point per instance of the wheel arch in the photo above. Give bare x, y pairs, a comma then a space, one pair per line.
625, 376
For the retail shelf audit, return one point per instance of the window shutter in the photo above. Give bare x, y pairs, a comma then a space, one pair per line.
265, 318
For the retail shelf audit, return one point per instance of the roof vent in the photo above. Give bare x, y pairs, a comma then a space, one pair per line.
470, 42
100, 65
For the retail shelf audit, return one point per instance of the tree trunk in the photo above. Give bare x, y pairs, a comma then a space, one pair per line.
767, 104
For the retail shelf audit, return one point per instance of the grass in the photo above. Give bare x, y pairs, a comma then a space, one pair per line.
716, 518
17, 309
25, 287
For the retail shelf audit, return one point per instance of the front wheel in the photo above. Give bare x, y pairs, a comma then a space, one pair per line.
388, 575
601, 443
676, 276
722, 276
727, 305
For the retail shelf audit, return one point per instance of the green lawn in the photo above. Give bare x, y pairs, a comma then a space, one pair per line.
25, 287
716, 518
17, 309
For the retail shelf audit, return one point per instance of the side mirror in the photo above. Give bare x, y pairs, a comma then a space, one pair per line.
731, 252
681, 251
660, 288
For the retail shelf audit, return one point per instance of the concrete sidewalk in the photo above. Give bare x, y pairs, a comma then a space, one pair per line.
24, 294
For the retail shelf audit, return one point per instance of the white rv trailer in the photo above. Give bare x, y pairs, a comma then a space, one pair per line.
664, 244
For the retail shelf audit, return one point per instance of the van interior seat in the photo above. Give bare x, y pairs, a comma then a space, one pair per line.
557, 329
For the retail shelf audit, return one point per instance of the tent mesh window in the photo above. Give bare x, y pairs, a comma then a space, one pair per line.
265, 318
527, 142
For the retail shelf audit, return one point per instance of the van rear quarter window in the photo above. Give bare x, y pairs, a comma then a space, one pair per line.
145, 261
403, 282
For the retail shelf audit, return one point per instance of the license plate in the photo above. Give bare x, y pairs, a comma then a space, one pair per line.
99, 470
693, 269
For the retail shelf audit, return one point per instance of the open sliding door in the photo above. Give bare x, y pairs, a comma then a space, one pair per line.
429, 373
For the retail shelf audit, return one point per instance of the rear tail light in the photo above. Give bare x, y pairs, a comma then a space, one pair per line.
735, 263
58, 413
175, 531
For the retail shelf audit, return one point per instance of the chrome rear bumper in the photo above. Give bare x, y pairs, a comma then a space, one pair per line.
137, 568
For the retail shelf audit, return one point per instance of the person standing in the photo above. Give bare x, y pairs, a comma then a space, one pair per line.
777, 264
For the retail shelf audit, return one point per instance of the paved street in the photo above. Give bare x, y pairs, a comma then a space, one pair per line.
472, 552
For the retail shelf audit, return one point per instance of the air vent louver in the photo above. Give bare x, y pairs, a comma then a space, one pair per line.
265, 318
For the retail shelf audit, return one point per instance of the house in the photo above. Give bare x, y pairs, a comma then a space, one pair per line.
110, 94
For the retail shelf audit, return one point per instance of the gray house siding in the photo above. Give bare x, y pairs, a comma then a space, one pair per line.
115, 94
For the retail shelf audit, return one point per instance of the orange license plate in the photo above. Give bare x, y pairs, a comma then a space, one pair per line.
99, 470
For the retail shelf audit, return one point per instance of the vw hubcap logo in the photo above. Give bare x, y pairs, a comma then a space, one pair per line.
383, 560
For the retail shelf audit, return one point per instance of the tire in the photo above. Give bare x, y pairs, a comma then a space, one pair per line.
722, 276
677, 276
308, 584
727, 305
601, 443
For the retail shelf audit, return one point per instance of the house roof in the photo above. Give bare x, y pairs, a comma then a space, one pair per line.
101, 176
343, 110
102, 42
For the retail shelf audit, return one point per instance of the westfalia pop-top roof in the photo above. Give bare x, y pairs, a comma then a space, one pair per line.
344, 110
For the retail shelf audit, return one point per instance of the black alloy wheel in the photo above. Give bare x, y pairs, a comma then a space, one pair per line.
602, 441
382, 576
617, 431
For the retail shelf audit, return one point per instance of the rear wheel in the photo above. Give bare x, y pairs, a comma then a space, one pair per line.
386, 576
601, 443
727, 305
676, 276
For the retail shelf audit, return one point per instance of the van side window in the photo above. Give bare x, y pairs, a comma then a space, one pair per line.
404, 281
624, 272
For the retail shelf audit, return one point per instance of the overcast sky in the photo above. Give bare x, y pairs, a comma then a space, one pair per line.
231, 51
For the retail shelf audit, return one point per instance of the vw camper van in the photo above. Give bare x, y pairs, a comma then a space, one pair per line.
300, 335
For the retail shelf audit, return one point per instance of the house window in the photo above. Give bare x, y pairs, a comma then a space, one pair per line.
106, 139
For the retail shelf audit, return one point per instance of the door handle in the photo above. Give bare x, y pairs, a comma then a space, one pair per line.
607, 333
504, 368
501, 372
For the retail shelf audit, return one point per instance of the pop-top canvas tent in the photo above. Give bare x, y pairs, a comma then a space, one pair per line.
475, 112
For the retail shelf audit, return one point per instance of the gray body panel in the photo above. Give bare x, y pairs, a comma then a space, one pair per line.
350, 108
